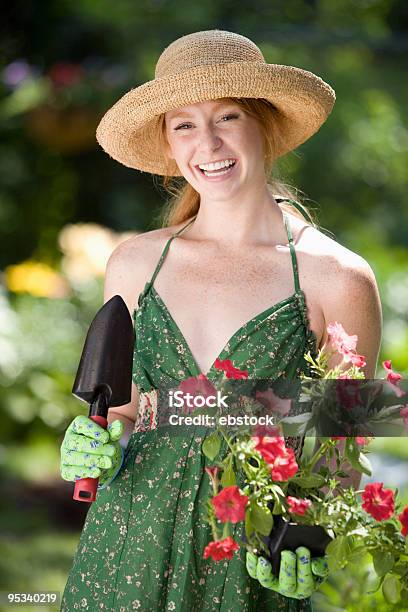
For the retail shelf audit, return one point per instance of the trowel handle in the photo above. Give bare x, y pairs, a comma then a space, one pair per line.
85, 488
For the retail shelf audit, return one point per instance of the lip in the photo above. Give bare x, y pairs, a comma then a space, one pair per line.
221, 177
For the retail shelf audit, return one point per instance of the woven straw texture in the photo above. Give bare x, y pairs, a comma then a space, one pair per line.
209, 65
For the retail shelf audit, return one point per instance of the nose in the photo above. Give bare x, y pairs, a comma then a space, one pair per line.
209, 139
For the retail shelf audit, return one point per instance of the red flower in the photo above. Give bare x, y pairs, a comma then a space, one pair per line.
378, 502
284, 467
270, 447
221, 549
281, 459
403, 519
229, 369
196, 385
230, 505
298, 506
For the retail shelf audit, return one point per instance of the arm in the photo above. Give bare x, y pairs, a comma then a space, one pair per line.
117, 283
353, 300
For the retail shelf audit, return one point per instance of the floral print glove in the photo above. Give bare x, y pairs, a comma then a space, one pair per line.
90, 451
299, 575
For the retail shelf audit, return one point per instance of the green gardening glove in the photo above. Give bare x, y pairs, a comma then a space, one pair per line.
90, 451
299, 575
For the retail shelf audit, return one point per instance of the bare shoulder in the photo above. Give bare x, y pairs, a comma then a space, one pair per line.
329, 258
347, 291
132, 263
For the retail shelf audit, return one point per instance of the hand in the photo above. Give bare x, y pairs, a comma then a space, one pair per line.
299, 575
86, 451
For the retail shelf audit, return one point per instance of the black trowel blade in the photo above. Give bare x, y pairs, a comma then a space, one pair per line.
107, 355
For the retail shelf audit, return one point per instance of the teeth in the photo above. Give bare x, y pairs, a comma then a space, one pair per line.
217, 165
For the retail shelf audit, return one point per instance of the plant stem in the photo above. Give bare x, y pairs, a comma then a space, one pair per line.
319, 453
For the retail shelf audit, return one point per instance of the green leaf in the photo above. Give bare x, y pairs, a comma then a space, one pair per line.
228, 478
351, 451
308, 481
211, 446
357, 554
383, 562
296, 425
364, 464
391, 589
338, 551
261, 519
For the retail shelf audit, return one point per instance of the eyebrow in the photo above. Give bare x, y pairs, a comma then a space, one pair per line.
187, 114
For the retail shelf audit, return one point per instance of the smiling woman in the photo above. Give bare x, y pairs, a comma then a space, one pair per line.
259, 114
221, 280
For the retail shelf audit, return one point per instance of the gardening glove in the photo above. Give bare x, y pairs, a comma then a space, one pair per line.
90, 451
299, 575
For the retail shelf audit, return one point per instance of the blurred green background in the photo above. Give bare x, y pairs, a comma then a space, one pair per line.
65, 205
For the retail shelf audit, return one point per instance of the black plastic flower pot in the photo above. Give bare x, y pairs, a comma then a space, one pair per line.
289, 536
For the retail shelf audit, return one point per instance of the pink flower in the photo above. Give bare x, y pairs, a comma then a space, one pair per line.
357, 360
345, 344
229, 369
403, 519
404, 415
363, 441
393, 378
340, 340
230, 505
221, 549
298, 506
378, 502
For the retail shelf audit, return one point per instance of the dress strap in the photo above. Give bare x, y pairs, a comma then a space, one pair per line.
292, 252
296, 205
164, 252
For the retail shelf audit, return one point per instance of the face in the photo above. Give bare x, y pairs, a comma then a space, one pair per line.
214, 131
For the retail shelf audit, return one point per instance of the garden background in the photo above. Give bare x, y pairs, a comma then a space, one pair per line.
65, 205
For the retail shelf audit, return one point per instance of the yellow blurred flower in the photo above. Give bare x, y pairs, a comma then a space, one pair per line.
87, 248
36, 278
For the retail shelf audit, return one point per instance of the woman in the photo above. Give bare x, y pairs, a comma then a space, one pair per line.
226, 277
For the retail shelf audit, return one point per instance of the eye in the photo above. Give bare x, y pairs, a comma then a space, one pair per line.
229, 116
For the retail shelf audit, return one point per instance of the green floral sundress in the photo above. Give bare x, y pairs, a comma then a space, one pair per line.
141, 547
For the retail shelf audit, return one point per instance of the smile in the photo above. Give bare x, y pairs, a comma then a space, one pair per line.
220, 174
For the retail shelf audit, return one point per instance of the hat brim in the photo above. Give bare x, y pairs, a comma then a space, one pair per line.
127, 130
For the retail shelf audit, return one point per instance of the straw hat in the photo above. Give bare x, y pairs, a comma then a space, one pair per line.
205, 66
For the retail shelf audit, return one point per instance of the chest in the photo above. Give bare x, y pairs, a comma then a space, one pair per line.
211, 295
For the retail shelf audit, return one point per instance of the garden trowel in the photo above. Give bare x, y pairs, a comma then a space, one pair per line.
104, 376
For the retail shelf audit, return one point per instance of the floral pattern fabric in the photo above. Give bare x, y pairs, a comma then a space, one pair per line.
142, 544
